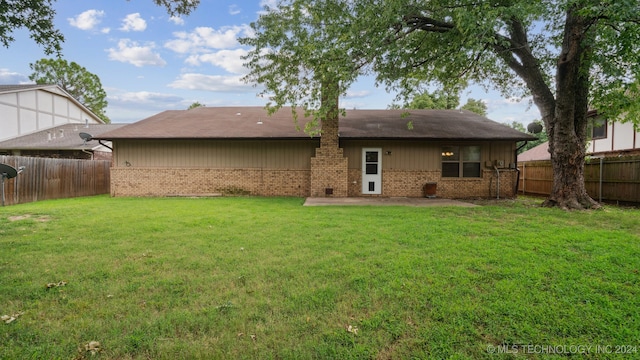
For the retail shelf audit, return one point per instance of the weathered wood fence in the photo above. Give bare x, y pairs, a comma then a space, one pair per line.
45, 178
607, 179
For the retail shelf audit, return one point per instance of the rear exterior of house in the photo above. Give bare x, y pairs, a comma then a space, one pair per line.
386, 153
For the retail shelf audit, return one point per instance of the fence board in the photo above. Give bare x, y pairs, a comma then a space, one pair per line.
45, 178
620, 178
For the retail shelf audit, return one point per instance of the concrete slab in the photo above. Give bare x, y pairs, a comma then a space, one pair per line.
385, 201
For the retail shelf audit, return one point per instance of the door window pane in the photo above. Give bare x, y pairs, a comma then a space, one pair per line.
371, 169
372, 156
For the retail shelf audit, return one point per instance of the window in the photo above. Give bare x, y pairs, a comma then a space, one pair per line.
598, 127
461, 161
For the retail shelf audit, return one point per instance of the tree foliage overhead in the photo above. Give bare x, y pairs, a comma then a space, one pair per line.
34, 15
76, 80
37, 16
441, 99
566, 54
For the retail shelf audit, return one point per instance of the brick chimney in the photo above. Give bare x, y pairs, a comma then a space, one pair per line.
329, 174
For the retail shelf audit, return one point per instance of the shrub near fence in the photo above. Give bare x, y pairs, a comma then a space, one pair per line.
45, 178
620, 180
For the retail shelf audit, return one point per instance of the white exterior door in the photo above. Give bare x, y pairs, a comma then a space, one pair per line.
371, 170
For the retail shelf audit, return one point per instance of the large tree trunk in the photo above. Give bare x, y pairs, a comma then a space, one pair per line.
567, 129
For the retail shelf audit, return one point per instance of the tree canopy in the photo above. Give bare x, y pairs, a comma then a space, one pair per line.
441, 99
37, 16
568, 55
194, 105
76, 80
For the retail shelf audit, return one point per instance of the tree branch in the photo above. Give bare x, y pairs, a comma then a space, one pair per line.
418, 22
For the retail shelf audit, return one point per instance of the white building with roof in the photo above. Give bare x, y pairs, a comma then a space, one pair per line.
25, 109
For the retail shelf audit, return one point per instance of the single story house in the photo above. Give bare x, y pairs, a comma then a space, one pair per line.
391, 153
62, 141
33, 107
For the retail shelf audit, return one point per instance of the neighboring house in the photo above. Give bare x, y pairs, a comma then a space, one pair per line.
540, 152
28, 108
608, 138
611, 167
62, 141
390, 153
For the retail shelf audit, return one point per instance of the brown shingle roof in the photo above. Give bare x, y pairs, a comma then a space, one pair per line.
254, 122
62, 137
540, 152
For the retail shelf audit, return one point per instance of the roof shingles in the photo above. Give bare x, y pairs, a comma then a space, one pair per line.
62, 137
254, 122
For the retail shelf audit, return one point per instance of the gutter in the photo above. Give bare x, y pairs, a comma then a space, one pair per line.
105, 145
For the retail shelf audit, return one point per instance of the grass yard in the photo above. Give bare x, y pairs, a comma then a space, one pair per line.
267, 278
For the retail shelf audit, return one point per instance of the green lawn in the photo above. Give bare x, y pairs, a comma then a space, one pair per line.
267, 278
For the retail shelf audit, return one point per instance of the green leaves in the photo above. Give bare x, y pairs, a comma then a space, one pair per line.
34, 15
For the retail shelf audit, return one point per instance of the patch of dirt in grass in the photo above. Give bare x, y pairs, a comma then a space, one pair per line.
39, 218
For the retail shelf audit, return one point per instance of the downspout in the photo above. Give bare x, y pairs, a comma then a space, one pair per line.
515, 191
88, 152
498, 183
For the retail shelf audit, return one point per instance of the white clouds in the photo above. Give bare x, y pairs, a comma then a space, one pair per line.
271, 4
129, 51
216, 83
128, 106
352, 94
87, 20
11, 78
201, 39
234, 10
230, 60
177, 20
133, 22
145, 97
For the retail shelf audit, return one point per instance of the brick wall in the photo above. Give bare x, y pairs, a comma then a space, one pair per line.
329, 171
329, 167
403, 183
127, 181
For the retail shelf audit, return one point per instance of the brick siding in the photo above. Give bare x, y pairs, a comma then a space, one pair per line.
402, 183
329, 167
203, 182
127, 181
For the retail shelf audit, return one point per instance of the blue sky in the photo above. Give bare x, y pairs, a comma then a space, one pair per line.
149, 62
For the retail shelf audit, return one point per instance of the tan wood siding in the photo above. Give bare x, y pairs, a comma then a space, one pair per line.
271, 154
421, 155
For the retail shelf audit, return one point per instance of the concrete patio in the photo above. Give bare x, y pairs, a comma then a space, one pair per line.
384, 201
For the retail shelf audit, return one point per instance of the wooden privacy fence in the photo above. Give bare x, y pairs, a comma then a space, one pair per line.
607, 179
45, 178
